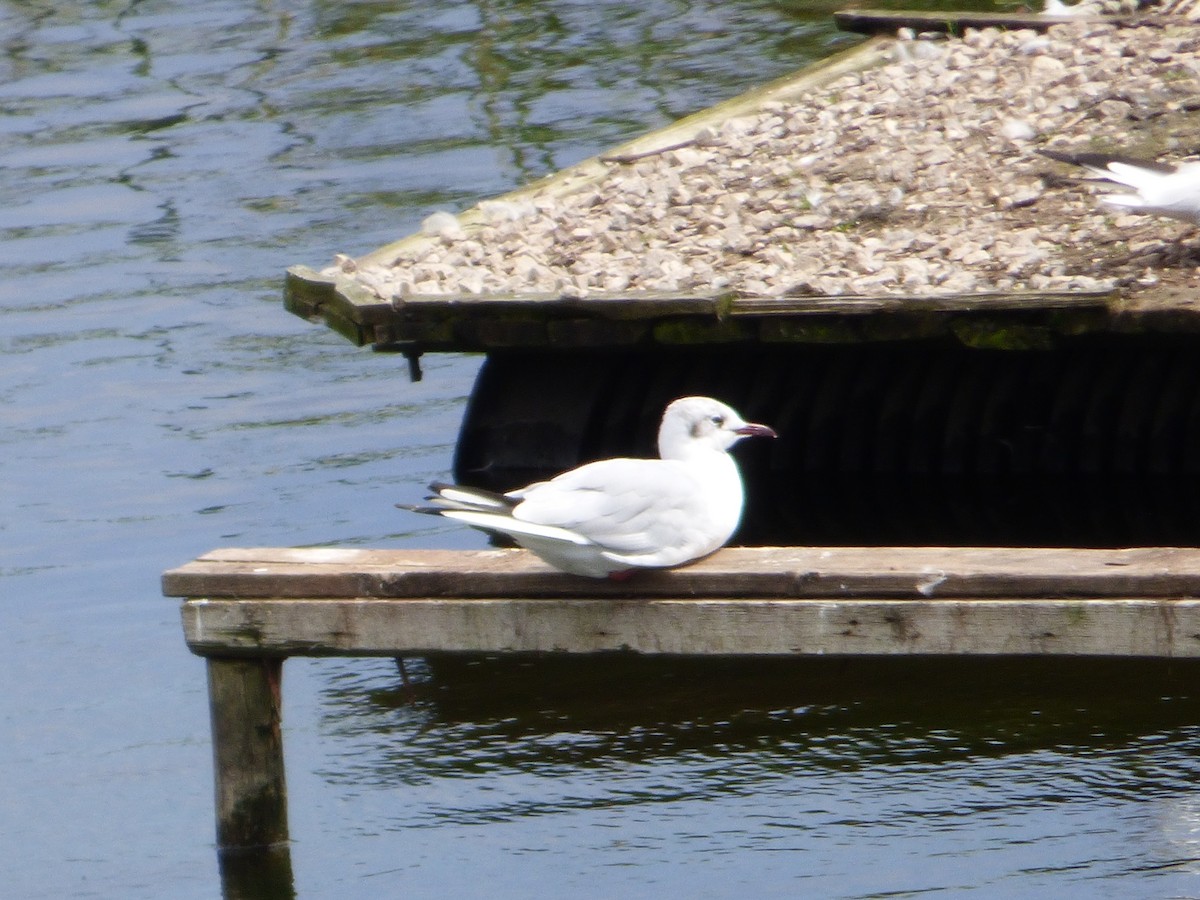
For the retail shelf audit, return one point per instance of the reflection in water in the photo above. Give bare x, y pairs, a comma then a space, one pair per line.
1011, 734
1179, 824
1022, 777
259, 873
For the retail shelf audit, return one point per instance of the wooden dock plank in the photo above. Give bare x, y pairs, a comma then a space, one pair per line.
763, 572
379, 627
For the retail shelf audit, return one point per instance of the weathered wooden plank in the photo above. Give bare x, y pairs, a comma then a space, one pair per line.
344, 306
889, 21
1025, 302
1110, 627
251, 791
646, 305
780, 572
656, 305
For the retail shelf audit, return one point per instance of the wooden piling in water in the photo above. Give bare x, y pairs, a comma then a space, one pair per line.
251, 790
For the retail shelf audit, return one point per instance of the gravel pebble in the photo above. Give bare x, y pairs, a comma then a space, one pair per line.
916, 177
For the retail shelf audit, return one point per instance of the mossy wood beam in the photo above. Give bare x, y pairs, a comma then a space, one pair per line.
473, 323
889, 21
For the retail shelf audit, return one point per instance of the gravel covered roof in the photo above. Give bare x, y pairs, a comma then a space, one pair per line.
915, 177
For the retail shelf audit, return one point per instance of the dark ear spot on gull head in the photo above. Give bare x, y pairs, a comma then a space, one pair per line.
703, 419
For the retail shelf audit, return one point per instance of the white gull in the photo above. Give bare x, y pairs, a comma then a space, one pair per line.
1158, 188
1058, 8
607, 518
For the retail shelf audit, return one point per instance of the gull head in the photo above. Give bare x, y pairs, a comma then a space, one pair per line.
692, 424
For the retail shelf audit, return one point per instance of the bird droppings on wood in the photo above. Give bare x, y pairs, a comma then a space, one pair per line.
917, 176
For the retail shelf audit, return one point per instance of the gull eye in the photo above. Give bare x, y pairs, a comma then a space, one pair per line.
717, 420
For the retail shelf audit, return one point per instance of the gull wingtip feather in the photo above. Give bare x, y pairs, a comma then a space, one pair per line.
1154, 187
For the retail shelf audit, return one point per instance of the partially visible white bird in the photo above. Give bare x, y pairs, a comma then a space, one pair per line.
607, 518
1058, 8
1161, 189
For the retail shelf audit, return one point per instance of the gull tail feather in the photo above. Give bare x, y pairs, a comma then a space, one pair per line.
454, 496
1136, 175
502, 523
1129, 201
1127, 170
1100, 162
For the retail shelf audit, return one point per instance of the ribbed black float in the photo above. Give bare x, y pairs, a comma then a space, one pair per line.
1096, 443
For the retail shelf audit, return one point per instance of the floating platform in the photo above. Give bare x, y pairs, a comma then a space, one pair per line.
1140, 277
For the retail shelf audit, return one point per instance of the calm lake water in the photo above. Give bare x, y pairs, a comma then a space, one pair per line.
163, 162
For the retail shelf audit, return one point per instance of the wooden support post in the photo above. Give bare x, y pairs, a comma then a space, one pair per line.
251, 792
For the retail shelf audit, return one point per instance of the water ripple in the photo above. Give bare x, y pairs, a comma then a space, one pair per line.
163, 163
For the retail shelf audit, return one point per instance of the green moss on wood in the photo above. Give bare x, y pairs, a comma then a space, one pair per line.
244, 824
352, 331
810, 330
305, 292
702, 331
986, 334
